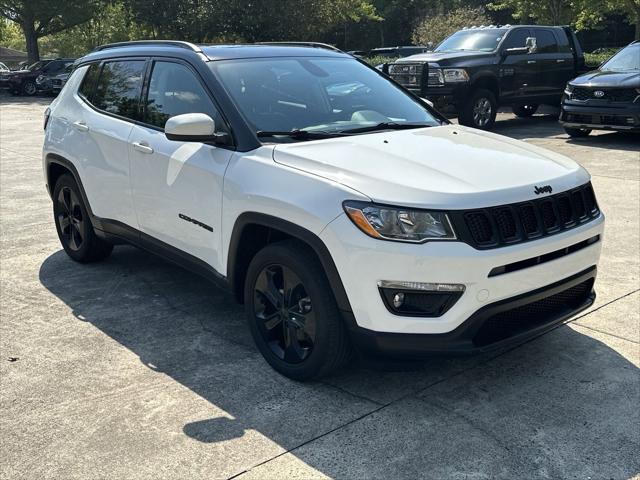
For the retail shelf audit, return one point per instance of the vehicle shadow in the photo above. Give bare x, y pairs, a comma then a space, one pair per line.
574, 391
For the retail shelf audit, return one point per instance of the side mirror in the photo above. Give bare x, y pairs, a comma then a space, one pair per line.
428, 102
193, 127
531, 44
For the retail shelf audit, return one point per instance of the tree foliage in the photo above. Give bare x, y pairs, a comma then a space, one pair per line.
581, 14
436, 28
39, 18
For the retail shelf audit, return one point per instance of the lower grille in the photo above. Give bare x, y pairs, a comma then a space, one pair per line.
526, 317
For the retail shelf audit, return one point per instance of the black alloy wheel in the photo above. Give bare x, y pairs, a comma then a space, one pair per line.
285, 313
292, 312
70, 218
73, 224
29, 88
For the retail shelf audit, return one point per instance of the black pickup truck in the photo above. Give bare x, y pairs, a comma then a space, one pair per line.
478, 69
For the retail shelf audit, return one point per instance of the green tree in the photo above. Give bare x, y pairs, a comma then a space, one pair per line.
436, 28
581, 14
39, 18
112, 23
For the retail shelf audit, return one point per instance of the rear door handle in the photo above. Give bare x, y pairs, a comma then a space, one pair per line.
81, 126
531, 61
560, 60
142, 147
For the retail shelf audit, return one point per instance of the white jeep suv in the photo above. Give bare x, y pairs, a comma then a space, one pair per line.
344, 212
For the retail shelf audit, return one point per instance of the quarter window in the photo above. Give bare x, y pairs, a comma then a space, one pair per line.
89, 81
118, 88
174, 90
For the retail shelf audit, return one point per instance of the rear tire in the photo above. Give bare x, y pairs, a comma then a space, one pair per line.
577, 132
524, 111
292, 313
73, 224
480, 110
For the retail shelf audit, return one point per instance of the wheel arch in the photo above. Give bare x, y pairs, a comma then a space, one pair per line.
252, 231
55, 166
488, 81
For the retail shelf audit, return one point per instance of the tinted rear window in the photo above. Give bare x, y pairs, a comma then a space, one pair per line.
118, 88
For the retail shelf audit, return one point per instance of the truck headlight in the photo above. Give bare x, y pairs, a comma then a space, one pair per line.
454, 75
398, 223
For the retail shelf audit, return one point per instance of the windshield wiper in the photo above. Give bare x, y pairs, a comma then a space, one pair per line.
298, 134
386, 126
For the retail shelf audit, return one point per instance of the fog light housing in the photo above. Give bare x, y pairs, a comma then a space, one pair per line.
417, 299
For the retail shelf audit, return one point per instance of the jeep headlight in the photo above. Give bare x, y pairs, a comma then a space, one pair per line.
398, 223
454, 75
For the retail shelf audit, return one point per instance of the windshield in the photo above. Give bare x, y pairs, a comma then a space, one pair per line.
625, 60
478, 40
35, 66
316, 95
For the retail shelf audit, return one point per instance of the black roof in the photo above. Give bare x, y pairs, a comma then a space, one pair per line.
213, 52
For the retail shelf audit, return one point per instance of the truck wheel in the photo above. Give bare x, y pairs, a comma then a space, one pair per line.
29, 88
524, 111
577, 132
480, 110
292, 313
73, 224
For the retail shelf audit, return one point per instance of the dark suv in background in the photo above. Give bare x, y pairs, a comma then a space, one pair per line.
23, 82
478, 69
607, 98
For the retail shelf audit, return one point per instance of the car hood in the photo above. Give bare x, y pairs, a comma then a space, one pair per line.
444, 57
439, 167
603, 78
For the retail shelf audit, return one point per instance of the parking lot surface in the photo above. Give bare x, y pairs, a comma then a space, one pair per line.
135, 368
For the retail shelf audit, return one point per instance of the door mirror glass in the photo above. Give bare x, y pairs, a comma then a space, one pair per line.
194, 127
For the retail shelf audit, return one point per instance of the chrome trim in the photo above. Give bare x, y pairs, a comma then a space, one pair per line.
421, 286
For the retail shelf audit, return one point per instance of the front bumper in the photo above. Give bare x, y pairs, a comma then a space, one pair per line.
600, 115
363, 261
497, 325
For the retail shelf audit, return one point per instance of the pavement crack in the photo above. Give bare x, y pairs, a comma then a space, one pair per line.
355, 395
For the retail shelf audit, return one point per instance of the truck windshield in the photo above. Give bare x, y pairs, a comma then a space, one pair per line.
321, 95
627, 59
478, 40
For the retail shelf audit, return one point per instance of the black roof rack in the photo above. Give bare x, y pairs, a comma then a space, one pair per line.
304, 44
151, 43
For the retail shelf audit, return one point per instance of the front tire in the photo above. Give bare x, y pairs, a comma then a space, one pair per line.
480, 110
73, 224
29, 88
292, 313
524, 111
577, 132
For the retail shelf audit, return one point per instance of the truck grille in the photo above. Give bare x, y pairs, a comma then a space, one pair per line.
515, 223
531, 315
611, 94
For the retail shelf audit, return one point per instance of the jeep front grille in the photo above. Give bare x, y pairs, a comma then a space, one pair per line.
519, 222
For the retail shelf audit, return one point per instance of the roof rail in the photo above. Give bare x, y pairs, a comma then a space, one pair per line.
304, 44
151, 43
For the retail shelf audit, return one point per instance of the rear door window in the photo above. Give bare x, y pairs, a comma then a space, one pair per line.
89, 81
118, 88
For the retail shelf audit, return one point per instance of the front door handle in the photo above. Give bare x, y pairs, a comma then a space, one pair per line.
531, 61
560, 60
142, 147
81, 126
